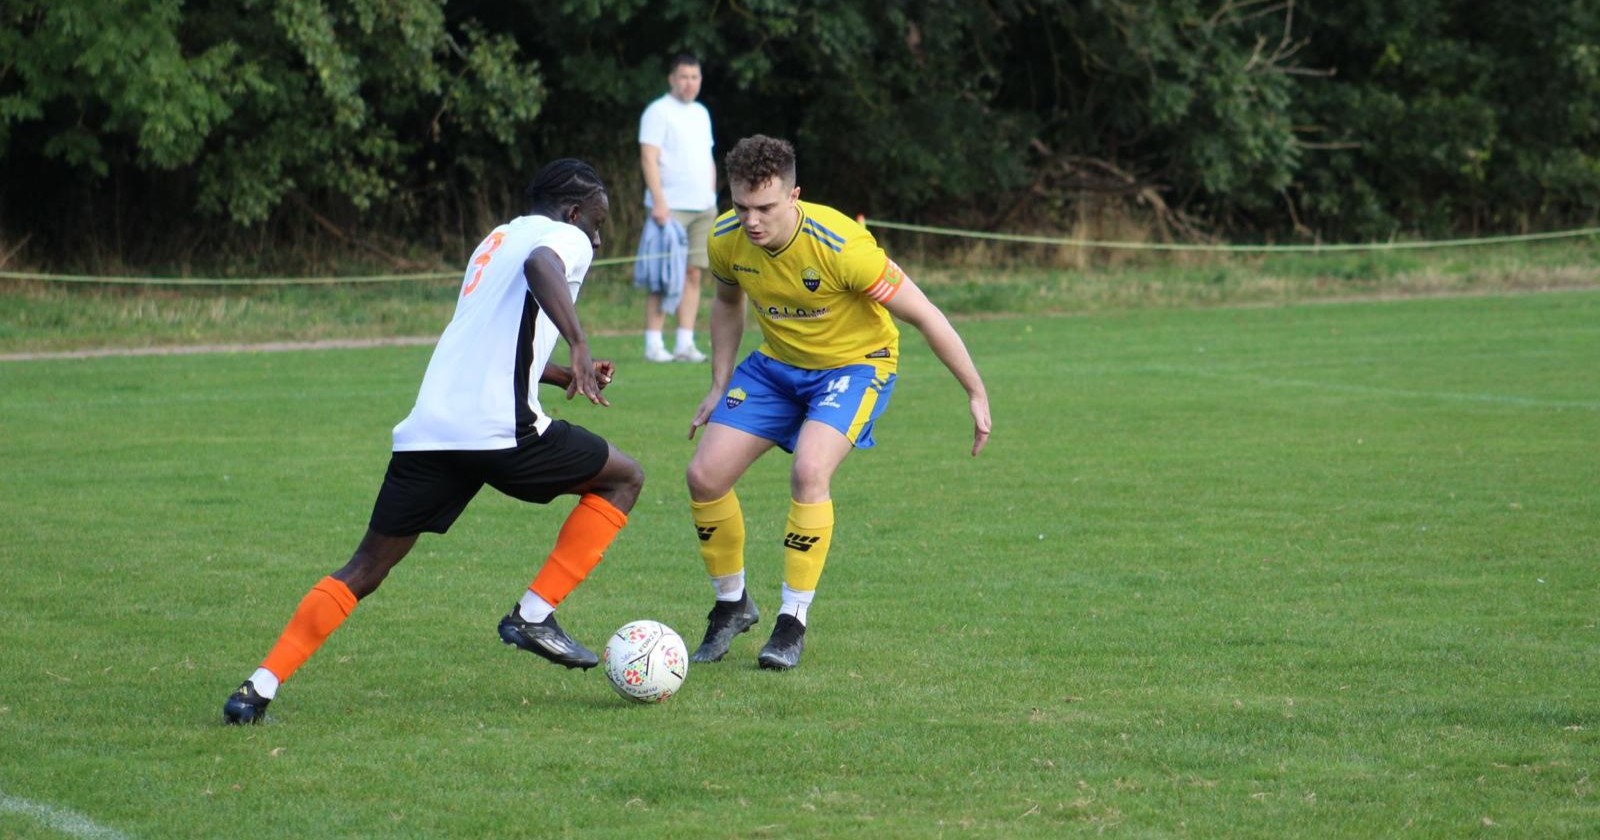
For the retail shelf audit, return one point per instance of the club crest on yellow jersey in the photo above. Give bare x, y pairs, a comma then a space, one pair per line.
811, 278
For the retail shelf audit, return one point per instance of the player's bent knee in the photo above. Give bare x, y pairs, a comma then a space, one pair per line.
808, 480
622, 476
632, 474
705, 483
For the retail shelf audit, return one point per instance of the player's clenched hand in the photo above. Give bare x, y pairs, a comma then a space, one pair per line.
605, 370
585, 380
981, 424
703, 414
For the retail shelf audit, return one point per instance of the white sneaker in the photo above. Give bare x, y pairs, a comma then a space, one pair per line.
657, 354
689, 354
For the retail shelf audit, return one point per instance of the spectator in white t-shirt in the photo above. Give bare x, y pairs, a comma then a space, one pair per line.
680, 178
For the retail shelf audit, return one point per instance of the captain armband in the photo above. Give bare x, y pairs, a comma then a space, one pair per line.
888, 283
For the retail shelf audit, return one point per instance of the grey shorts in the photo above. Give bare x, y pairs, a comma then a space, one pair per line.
698, 226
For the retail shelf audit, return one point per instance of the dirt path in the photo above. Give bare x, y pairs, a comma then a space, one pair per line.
192, 349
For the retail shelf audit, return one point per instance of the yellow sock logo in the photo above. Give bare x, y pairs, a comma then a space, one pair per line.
799, 542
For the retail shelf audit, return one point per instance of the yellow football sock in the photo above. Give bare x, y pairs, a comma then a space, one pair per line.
720, 524
805, 544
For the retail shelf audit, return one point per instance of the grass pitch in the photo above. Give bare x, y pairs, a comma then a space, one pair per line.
1320, 570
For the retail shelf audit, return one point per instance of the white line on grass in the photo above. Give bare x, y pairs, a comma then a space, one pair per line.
63, 820
1318, 385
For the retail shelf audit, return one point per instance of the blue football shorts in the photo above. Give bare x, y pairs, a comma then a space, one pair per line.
771, 400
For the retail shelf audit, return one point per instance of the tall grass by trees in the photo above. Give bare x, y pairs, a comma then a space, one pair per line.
215, 136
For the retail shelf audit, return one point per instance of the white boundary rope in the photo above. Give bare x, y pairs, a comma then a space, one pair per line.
1302, 248
1312, 248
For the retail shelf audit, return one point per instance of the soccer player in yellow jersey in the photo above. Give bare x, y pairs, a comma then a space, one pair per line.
823, 293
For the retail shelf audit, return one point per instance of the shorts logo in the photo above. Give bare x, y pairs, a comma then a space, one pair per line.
799, 542
811, 278
735, 398
835, 387
705, 531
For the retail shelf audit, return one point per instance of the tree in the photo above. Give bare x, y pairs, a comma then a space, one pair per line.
234, 108
145, 127
1453, 115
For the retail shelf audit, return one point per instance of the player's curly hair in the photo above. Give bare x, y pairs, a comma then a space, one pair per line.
562, 182
758, 159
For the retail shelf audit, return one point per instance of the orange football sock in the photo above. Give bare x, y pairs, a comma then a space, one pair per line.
583, 540
321, 612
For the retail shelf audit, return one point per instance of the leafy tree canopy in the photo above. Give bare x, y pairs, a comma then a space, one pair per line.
1247, 118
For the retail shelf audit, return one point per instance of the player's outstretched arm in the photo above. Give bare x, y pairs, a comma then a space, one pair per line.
727, 330
910, 305
547, 281
561, 376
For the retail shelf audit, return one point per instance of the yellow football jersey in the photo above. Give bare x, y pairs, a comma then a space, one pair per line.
818, 298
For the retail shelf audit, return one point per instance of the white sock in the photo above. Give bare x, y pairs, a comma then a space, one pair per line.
652, 340
729, 587
685, 338
266, 683
796, 602
534, 609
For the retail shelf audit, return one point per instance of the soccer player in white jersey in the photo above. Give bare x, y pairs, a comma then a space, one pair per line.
478, 421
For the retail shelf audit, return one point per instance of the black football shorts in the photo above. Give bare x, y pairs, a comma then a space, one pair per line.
427, 491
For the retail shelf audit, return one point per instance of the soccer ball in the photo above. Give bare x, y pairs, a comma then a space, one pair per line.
646, 661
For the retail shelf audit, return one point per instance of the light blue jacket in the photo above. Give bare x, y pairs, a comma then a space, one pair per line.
662, 261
